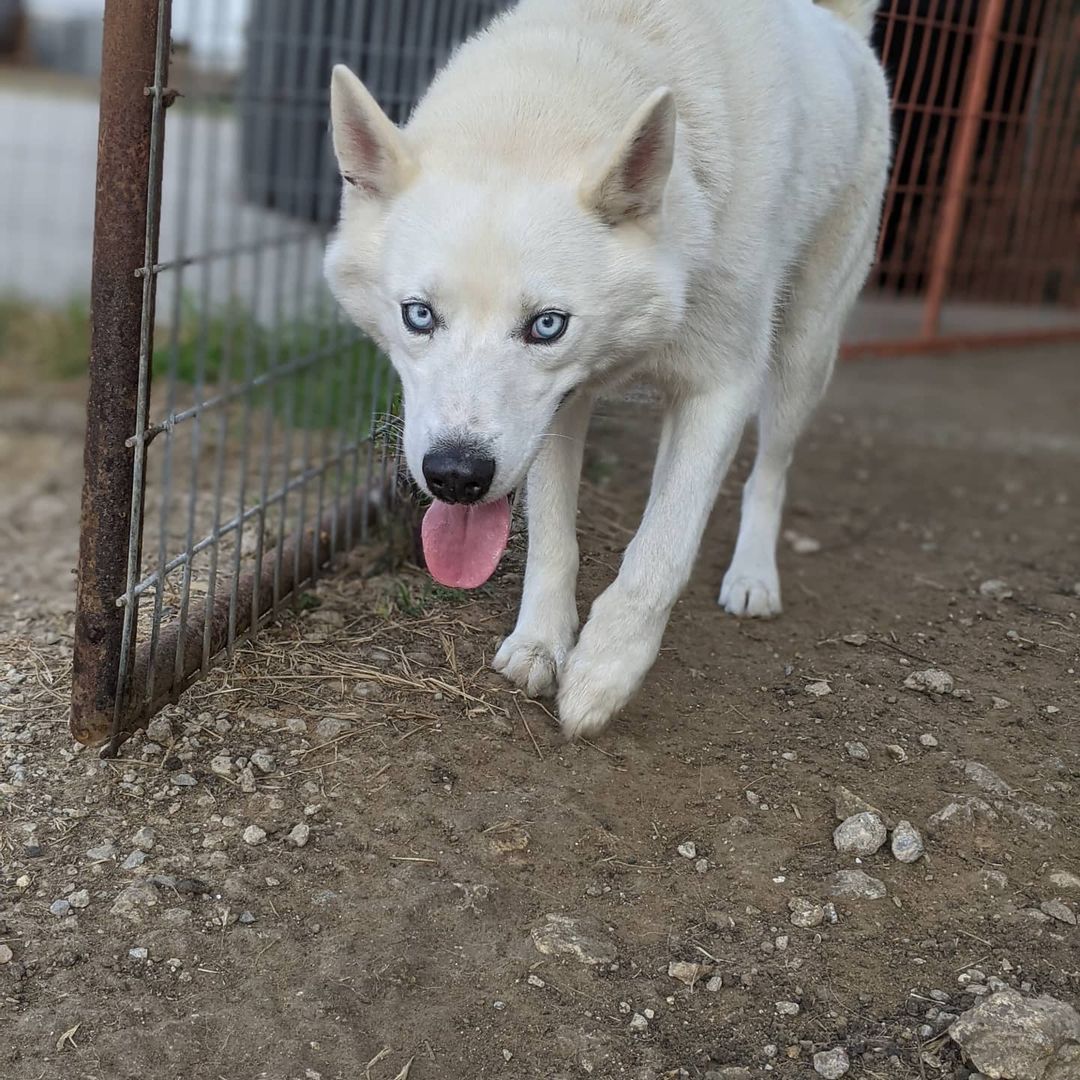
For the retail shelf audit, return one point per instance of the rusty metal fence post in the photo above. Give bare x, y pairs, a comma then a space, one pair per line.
960, 163
135, 54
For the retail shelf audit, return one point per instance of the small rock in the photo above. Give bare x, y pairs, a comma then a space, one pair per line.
896, 752
132, 902
684, 972
987, 779
861, 834
996, 589
254, 835
787, 1008
847, 804
715, 984
329, 728
999, 703
1063, 879
930, 681
535, 980
80, 899
805, 913
183, 779
133, 861
159, 730
818, 689
5, 954
858, 639
138, 953
1059, 910
928, 741
638, 1023
702, 866
1010, 1036
857, 751
585, 940
855, 885
300, 834
145, 839
60, 908
247, 781
103, 852
832, 1064
222, 765
802, 545
907, 844
961, 817
263, 761
688, 849
246, 918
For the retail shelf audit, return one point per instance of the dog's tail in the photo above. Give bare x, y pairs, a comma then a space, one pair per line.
857, 13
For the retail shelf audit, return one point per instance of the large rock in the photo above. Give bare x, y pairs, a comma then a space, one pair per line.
1010, 1037
583, 939
860, 834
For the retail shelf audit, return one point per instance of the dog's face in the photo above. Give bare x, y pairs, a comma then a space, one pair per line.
496, 296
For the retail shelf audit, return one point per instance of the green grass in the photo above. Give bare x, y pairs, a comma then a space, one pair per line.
333, 386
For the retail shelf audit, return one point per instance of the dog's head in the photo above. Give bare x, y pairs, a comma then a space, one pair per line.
497, 291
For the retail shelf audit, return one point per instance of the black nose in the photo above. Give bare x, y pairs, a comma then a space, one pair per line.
459, 474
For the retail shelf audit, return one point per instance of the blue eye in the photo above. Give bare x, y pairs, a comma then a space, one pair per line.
418, 317
547, 327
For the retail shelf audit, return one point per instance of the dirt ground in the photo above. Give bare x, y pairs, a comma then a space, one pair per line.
355, 827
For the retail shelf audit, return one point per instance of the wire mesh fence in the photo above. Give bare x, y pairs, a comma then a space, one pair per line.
254, 420
978, 237
235, 445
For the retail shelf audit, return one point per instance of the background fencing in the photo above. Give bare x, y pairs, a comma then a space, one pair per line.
234, 442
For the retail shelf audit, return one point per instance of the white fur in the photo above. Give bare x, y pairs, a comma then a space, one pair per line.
698, 183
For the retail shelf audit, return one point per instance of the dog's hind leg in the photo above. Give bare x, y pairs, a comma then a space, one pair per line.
804, 354
548, 621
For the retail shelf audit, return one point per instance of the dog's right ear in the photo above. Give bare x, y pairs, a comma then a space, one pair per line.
370, 148
633, 179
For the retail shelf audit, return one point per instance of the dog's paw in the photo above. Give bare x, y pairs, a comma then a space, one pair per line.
530, 663
754, 593
591, 695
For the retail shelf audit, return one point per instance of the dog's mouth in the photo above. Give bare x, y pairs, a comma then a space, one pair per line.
463, 545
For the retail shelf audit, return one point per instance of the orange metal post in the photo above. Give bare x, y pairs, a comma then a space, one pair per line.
963, 153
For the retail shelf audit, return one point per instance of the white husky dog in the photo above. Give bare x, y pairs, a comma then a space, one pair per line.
682, 190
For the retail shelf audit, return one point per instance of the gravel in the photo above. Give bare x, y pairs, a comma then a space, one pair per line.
80, 899
857, 751
687, 849
254, 835
860, 834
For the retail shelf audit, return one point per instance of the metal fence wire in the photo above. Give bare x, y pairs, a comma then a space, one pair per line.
233, 441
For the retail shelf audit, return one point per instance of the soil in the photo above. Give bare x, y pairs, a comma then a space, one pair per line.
446, 818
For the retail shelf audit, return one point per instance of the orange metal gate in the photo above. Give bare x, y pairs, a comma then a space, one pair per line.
980, 240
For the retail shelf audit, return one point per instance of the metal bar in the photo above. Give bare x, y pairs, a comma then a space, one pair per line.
941, 260
177, 660
949, 343
130, 147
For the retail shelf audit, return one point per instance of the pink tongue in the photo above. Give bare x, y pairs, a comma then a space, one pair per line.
463, 544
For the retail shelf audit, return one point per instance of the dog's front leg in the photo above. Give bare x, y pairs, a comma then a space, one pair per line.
621, 639
533, 654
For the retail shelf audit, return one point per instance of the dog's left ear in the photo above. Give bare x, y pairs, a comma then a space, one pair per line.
632, 182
